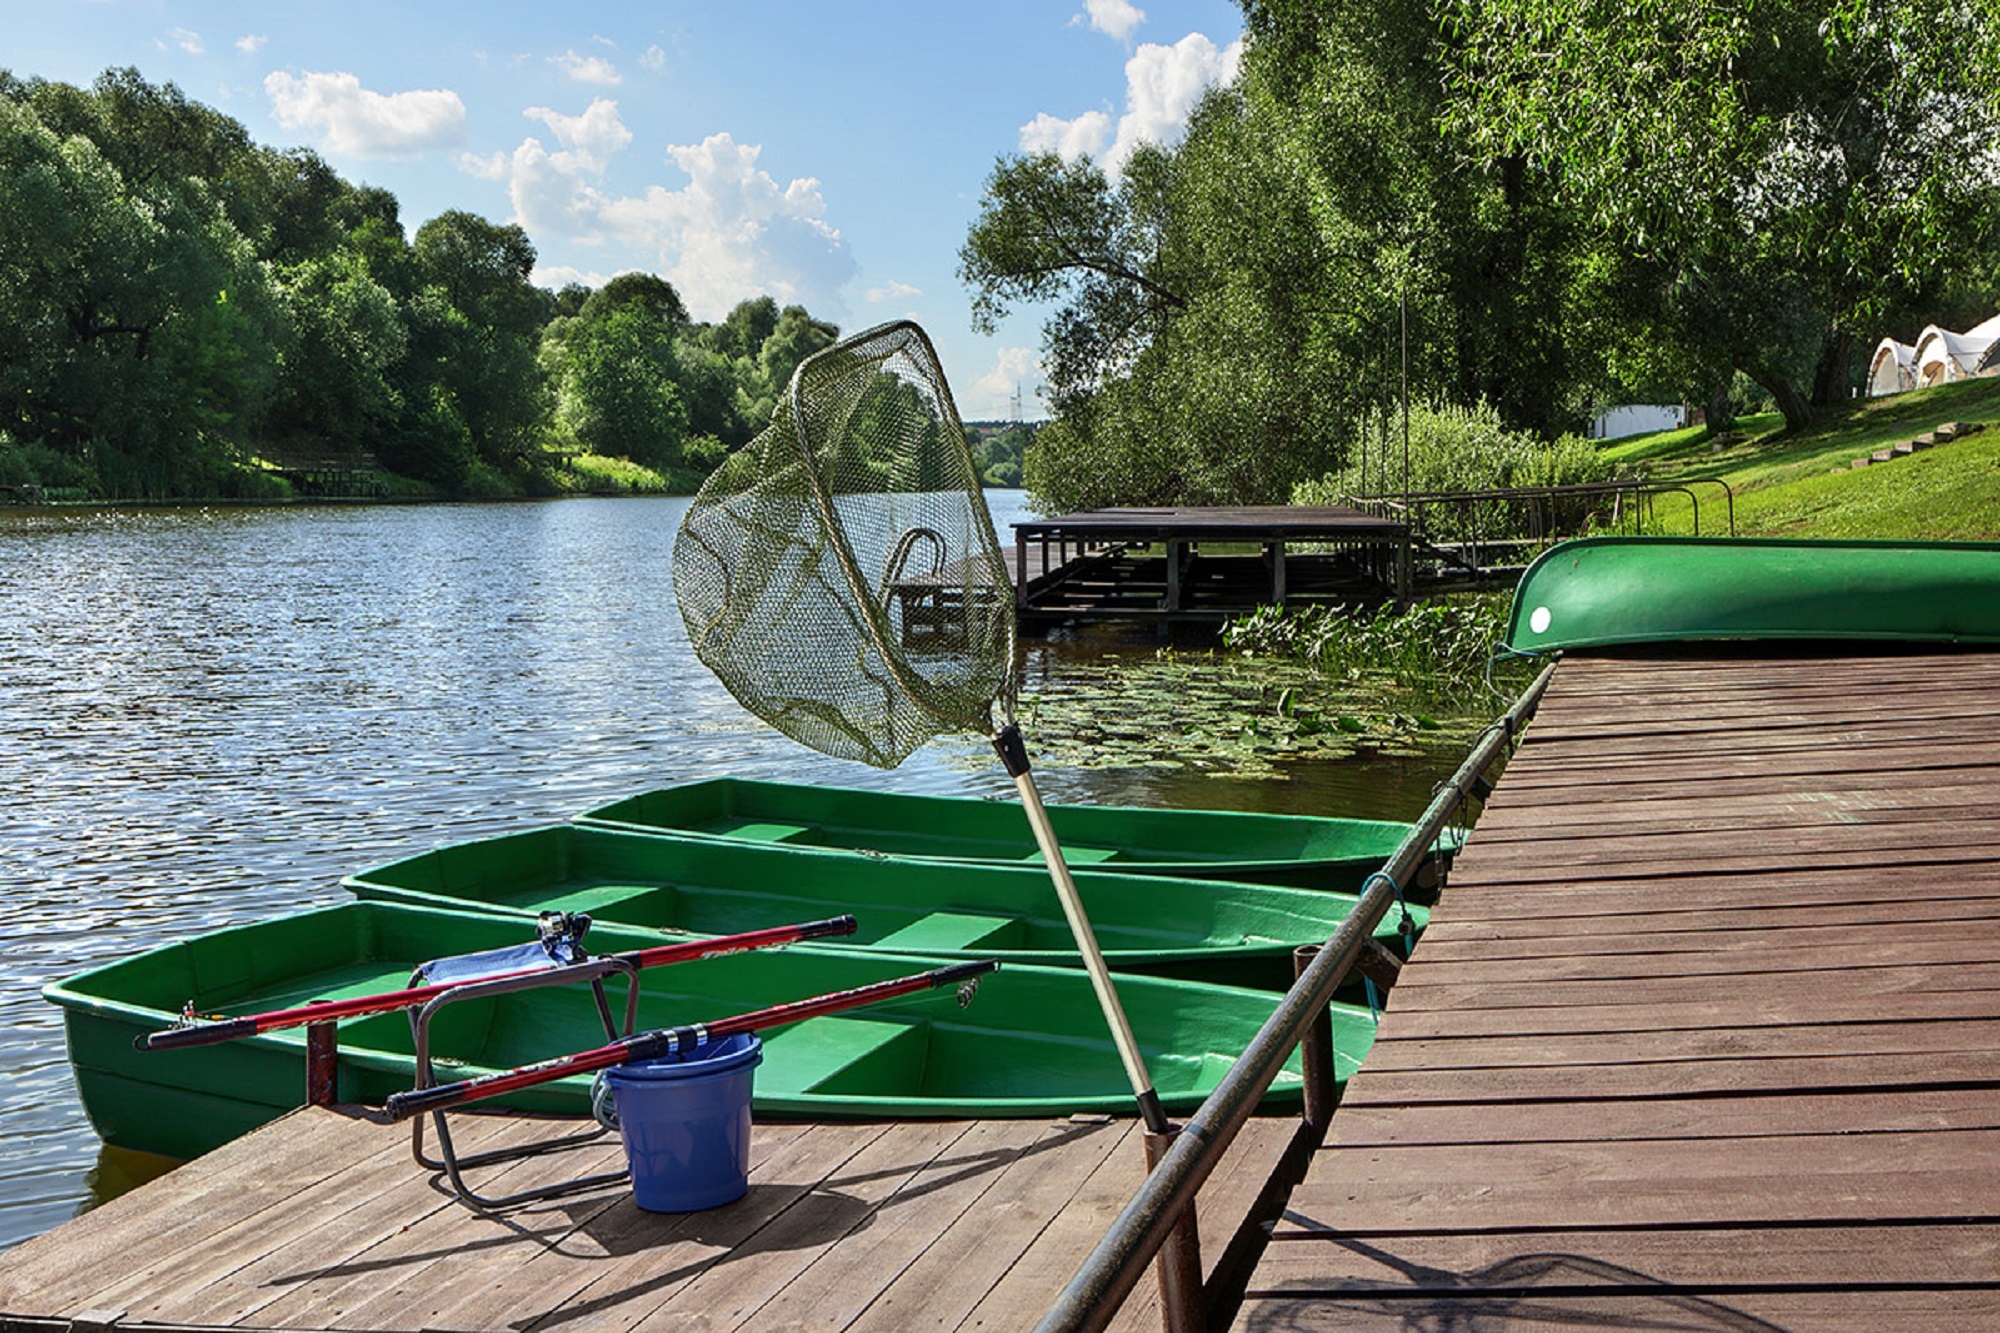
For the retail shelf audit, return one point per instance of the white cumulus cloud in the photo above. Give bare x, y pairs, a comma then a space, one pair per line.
892, 290
655, 58
1162, 85
1114, 18
350, 120
588, 69
1087, 135
553, 189
186, 39
733, 231
251, 43
1014, 368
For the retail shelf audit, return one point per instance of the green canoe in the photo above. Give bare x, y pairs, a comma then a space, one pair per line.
1303, 850
1031, 1043
1211, 930
1611, 590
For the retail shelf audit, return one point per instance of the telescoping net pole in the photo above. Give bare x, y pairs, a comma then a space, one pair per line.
841, 576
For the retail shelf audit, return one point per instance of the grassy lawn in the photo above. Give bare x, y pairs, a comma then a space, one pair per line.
1801, 485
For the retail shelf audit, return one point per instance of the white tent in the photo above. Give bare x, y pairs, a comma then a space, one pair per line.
1939, 356
1893, 368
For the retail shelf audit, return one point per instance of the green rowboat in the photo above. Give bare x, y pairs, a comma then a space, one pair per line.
1302, 850
1031, 1043
1207, 930
1600, 591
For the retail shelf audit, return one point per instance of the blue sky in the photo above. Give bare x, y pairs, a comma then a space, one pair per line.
830, 154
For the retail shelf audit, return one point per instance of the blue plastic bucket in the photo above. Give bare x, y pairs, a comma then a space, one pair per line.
685, 1119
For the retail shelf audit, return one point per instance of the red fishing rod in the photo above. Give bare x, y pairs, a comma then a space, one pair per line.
228, 1029
666, 1041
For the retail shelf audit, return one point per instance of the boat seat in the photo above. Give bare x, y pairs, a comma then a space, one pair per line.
802, 1058
595, 899
757, 830
949, 932
1077, 854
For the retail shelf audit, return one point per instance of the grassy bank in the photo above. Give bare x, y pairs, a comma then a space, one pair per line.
1801, 485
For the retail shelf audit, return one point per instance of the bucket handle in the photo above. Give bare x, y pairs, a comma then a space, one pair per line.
602, 1104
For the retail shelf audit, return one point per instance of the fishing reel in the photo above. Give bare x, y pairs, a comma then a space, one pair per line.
561, 936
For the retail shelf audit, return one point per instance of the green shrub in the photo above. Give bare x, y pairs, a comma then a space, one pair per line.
1455, 448
39, 465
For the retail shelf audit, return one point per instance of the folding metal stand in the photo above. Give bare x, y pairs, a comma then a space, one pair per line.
450, 1162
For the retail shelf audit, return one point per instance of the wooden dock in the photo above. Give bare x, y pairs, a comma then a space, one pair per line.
320, 1221
1705, 1031
1149, 564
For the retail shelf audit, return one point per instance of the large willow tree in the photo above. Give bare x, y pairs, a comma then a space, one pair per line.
1793, 177
1231, 312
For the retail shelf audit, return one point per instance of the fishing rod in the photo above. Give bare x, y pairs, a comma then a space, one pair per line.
690, 1036
320, 1011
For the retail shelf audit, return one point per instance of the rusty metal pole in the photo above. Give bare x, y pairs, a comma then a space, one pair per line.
322, 1064
1316, 1056
1179, 1263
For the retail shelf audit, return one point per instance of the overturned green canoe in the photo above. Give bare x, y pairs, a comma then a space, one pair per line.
1611, 590
1304, 850
1031, 1043
1208, 930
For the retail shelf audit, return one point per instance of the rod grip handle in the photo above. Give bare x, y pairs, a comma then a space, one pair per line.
201, 1034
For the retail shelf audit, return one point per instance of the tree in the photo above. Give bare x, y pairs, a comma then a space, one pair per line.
616, 392
743, 331
1232, 307
136, 330
796, 336
1791, 175
479, 331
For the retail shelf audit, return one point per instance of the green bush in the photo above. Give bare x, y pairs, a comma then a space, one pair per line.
598, 473
39, 465
1455, 448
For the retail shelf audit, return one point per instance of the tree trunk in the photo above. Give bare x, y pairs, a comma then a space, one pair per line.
1719, 412
1791, 400
1830, 377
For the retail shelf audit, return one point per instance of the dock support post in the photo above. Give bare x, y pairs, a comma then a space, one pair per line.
322, 1064
1316, 1057
1179, 1262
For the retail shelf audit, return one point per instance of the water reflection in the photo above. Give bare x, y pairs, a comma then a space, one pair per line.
214, 714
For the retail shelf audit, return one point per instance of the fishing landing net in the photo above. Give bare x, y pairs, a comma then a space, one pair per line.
840, 575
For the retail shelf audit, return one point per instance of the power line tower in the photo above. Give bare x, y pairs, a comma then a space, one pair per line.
1014, 405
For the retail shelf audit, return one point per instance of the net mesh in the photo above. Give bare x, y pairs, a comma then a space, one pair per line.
839, 574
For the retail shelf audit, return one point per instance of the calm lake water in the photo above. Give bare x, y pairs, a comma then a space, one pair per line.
211, 715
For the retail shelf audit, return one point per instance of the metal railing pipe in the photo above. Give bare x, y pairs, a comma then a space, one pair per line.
1115, 1266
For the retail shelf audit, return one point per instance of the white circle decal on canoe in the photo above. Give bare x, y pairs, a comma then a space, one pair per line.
1538, 620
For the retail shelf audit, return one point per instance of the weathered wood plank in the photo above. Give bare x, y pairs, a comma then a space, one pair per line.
1823, 1310
1358, 1125
959, 1272
1877, 1178
1844, 1041
1697, 1259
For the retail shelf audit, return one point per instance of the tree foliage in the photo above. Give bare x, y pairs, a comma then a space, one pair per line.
1789, 178
177, 301
1544, 206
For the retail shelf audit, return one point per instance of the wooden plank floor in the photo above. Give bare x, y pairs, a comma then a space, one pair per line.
1705, 1031
320, 1221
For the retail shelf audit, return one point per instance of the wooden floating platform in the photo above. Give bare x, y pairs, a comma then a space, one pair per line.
321, 1221
1705, 1030
1148, 564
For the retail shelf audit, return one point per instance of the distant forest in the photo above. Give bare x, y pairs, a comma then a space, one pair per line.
186, 313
